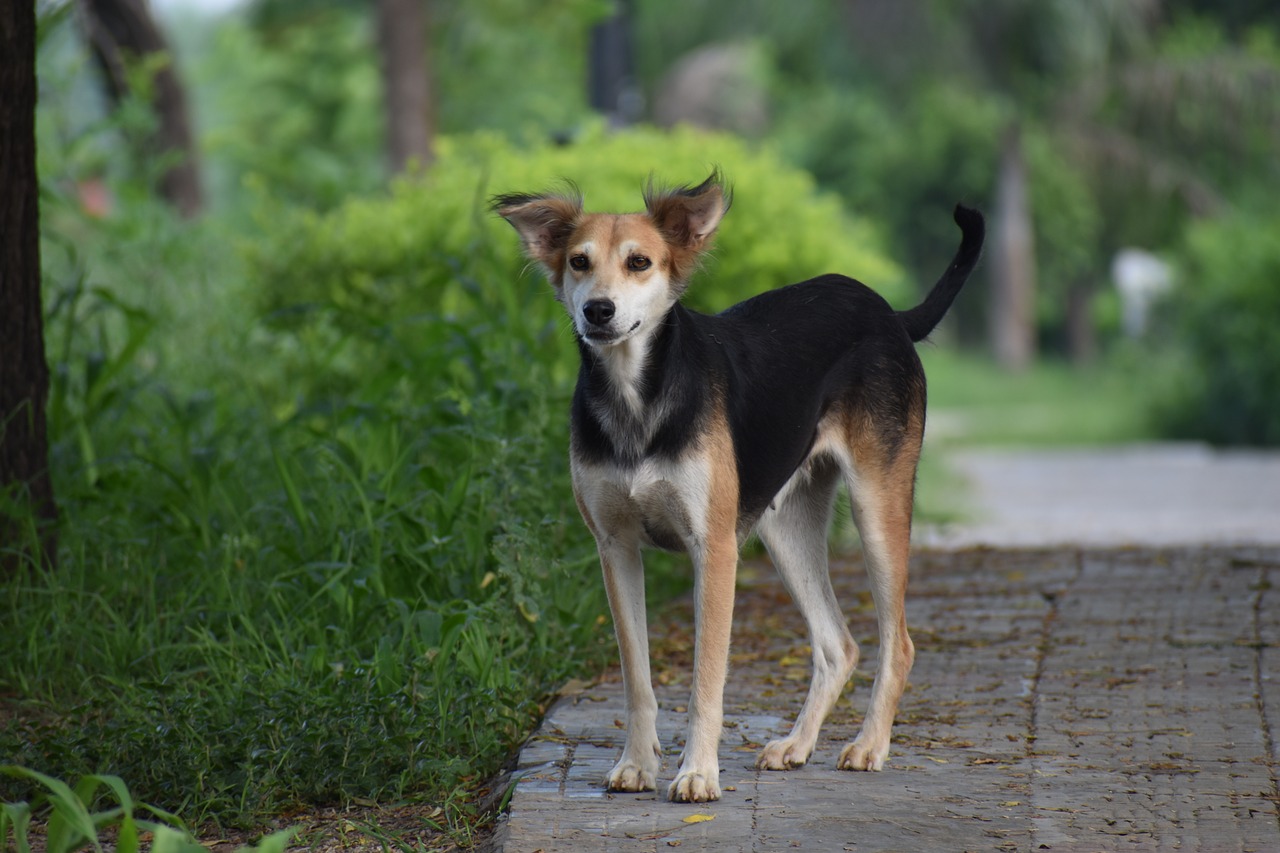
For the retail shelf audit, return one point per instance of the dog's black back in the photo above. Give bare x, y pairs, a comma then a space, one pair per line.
777, 364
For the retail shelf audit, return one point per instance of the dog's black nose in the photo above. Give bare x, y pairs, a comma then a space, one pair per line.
598, 312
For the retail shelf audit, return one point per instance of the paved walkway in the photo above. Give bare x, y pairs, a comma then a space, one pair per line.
1062, 699
1156, 494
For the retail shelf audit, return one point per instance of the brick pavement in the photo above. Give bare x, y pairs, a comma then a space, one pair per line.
1065, 700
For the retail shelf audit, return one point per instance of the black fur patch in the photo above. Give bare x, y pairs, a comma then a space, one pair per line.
777, 362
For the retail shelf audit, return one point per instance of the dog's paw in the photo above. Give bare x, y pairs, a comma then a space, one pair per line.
785, 754
629, 776
864, 755
694, 786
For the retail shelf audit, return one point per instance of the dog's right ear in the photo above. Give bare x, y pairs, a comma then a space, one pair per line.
545, 223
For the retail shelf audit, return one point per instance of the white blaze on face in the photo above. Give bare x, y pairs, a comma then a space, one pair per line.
621, 259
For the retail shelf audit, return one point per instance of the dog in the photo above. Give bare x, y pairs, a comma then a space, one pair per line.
691, 431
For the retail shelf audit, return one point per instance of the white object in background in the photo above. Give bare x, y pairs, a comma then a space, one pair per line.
1141, 278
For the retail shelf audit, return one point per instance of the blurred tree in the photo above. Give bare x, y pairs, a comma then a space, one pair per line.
611, 78
1086, 125
1191, 124
124, 39
406, 82
1012, 309
301, 92
309, 113
1028, 52
26, 492
1237, 16
1152, 115
513, 66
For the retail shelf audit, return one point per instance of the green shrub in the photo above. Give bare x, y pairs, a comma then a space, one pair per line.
430, 246
1222, 367
276, 587
367, 595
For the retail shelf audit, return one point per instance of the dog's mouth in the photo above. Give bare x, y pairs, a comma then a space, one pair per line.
604, 337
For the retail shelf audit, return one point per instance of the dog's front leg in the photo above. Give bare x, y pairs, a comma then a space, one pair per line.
624, 582
715, 567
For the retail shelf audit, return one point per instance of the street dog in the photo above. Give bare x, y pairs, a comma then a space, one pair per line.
689, 432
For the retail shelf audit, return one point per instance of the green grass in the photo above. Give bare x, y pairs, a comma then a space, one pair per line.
972, 402
298, 565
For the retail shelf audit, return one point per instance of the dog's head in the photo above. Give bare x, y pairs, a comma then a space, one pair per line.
618, 274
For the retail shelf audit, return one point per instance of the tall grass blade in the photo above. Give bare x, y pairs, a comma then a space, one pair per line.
70, 823
166, 839
276, 842
290, 489
18, 816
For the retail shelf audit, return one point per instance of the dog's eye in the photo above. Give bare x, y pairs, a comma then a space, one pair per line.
579, 262
638, 263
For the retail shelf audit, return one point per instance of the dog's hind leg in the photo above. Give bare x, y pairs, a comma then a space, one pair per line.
795, 534
881, 490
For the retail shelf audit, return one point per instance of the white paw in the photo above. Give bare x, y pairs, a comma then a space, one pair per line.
785, 754
864, 754
633, 777
694, 786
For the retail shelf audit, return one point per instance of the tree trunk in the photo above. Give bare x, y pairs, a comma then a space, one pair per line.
120, 33
402, 40
26, 492
1082, 336
611, 79
1013, 279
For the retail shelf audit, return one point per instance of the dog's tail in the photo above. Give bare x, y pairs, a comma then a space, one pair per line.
922, 319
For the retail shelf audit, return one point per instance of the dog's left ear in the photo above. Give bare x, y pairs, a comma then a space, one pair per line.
545, 223
689, 216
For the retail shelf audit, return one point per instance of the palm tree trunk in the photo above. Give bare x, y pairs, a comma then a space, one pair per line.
1013, 291
1082, 336
402, 41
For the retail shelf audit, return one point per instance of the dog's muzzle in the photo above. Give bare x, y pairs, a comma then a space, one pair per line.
598, 315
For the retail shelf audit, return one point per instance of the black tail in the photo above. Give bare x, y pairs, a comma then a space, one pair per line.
922, 319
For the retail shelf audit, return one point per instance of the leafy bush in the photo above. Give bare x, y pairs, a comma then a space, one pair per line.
296, 108
274, 588
367, 597
430, 243
1222, 356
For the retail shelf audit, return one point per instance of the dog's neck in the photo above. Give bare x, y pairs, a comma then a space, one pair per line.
622, 386
625, 366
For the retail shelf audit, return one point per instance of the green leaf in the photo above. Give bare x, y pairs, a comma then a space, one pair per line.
17, 815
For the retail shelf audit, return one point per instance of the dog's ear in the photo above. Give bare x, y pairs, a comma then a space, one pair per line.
545, 223
688, 216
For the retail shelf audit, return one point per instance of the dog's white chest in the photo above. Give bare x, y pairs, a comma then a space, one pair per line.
665, 503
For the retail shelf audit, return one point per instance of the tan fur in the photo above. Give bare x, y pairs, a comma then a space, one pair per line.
698, 778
